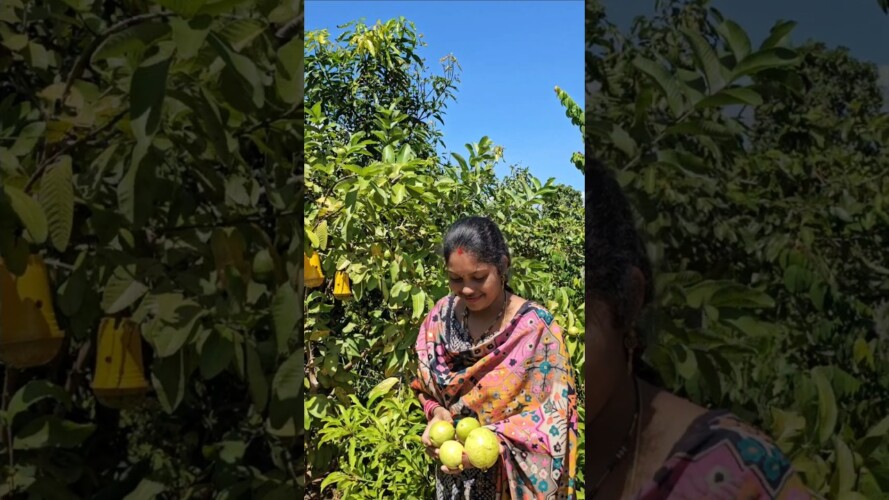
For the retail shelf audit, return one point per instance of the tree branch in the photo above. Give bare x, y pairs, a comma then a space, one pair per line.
82, 61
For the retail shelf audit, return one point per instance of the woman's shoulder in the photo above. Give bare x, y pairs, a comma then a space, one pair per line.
720, 445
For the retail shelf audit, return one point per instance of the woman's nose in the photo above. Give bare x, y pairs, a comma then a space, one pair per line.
467, 291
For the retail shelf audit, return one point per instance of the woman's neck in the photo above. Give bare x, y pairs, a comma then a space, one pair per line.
608, 431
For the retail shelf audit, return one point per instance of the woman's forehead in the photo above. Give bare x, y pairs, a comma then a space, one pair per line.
467, 262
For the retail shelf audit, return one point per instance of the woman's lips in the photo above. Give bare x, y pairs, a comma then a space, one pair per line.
473, 299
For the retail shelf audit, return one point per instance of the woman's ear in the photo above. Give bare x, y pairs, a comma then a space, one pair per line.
637, 295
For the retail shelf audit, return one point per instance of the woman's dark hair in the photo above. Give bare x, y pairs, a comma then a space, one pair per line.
613, 248
481, 237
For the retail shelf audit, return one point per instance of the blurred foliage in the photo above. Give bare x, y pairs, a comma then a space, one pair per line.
759, 175
146, 152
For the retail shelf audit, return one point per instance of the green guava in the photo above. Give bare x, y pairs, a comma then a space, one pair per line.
440, 432
451, 454
482, 447
263, 264
465, 426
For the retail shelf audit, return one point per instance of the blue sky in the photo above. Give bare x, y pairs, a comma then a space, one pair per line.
859, 25
512, 55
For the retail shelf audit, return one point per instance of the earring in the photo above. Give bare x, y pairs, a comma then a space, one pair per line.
630, 344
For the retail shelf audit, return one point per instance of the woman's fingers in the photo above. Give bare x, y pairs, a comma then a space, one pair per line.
448, 470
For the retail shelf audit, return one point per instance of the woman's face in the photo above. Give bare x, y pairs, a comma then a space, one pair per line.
605, 357
478, 283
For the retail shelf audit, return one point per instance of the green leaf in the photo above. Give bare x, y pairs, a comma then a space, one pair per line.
827, 405
706, 59
121, 291
285, 315
845, 477
27, 138
49, 431
220, 6
736, 38
256, 379
730, 97
176, 321
764, 60
185, 8
312, 237
797, 279
289, 73
29, 213
32, 392
146, 489
57, 199
778, 35
216, 353
333, 478
189, 36
381, 389
168, 379
245, 72
288, 380
418, 301
669, 86
321, 232
623, 141
147, 90
739, 296
875, 436
130, 40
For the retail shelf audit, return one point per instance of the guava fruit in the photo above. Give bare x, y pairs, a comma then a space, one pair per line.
440, 432
482, 447
451, 454
465, 426
262, 263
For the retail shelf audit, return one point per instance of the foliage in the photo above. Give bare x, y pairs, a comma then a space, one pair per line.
759, 177
378, 202
146, 152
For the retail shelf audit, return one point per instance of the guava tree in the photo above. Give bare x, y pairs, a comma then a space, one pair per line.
758, 172
147, 155
378, 202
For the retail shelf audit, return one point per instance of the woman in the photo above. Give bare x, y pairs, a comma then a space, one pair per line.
485, 352
644, 442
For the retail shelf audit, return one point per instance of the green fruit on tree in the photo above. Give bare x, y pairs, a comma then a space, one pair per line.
482, 447
451, 454
465, 426
440, 432
262, 263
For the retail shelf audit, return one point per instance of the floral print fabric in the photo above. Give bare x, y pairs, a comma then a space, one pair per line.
721, 457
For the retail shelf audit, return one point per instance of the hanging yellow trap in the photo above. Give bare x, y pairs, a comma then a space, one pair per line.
119, 379
29, 333
314, 276
341, 288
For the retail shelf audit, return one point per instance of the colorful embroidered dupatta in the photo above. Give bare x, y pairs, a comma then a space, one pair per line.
520, 384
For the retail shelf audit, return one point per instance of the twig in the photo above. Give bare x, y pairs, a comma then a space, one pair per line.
231, 222
77, 369
7, 427
82, 61
288, 29
71, 145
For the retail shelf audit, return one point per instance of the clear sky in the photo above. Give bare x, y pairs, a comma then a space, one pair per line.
513, 53
859, 25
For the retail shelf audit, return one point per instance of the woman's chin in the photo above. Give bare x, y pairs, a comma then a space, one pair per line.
477, 305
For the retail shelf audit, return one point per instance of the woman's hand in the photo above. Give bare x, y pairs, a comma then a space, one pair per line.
466, 466
440, 414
